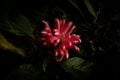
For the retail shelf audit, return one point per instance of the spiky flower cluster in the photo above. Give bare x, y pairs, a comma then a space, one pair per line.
60, 38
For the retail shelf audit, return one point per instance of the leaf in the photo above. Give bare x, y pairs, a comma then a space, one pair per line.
75, 5
20, 26
24, 72
4, 44
78, 67
72, 2
116, 17
89, 7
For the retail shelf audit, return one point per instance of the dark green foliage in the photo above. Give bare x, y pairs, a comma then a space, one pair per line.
97, 22
78, 67
19, 26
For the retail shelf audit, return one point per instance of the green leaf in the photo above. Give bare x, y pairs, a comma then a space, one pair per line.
78, 67
72, 2
24, 72
89, 7
5, 45
20, 26
116, 17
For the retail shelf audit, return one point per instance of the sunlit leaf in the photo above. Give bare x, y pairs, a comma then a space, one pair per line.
5, 45
90, 7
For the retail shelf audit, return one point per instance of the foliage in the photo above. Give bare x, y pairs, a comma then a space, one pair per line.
5, 45
22, 57
19, 26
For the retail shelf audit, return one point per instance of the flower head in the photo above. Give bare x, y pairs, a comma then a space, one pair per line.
60, 38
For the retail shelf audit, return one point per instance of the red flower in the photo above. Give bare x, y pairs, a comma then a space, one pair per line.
60, 38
